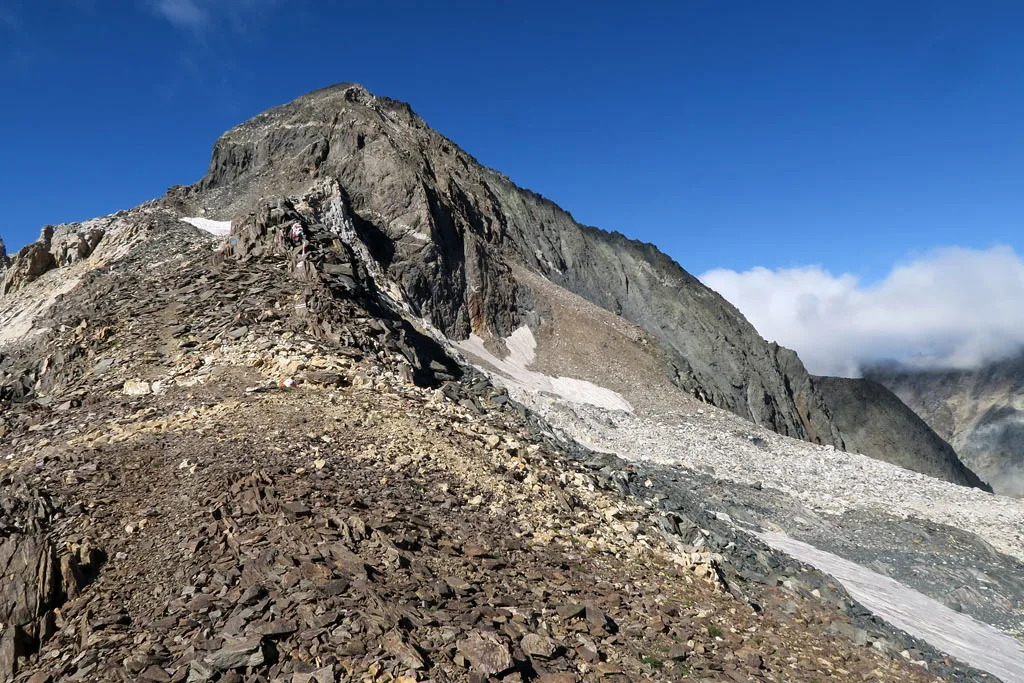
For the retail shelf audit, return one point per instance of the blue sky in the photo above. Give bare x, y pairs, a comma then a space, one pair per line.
737, 134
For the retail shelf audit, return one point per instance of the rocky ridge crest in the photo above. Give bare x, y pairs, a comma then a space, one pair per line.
260, 471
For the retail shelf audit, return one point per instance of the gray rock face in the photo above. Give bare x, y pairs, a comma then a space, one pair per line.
27, 265
980, 412
452, 234
57, 246
873, 420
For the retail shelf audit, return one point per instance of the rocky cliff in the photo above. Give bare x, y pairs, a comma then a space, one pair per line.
447, 230
980, 412
450, 237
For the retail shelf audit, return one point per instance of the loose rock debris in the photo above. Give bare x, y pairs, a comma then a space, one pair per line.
390, 517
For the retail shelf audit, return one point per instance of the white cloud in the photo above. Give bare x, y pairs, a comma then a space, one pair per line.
183, 13
200, 15
954, 308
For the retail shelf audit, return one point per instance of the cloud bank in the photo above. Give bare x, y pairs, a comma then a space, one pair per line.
952, 308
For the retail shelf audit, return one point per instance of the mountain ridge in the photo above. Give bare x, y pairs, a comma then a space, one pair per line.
447, 233
452, 227
345, 495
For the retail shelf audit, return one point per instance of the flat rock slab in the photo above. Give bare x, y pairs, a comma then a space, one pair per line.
237, 653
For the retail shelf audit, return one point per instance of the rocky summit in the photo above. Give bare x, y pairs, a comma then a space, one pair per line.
464, 248
356, 408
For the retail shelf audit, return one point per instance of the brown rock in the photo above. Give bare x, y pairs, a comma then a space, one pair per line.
537, 646
563, 677
154, 674
322, 675
30, 587
278, 627
486, 653
31, 582
395, 644
295, 510
570, 611
27, 265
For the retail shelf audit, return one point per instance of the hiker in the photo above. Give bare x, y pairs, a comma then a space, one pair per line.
297, 234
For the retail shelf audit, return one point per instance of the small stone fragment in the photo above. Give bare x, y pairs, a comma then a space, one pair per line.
136, 387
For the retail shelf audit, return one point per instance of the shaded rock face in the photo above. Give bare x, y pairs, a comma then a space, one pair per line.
980, 412
450, 234
874, 420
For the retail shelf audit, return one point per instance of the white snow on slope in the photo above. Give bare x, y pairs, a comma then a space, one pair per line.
967, 639
218, 228
513, 372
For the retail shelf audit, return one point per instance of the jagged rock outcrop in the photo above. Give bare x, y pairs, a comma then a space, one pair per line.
28, 265
980, 412
873, 420
36, 581
58, 245
448, 236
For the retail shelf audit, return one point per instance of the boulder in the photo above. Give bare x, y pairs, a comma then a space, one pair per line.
486, 653
27, 266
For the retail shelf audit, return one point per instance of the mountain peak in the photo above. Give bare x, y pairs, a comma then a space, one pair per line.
351, 370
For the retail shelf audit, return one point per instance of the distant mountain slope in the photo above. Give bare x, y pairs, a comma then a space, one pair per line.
873, 420
980, 412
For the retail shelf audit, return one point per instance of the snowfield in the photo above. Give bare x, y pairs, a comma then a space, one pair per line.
217, 228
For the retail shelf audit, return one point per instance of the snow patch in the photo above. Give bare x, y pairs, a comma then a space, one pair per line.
513, 371
972, 641
218, 228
